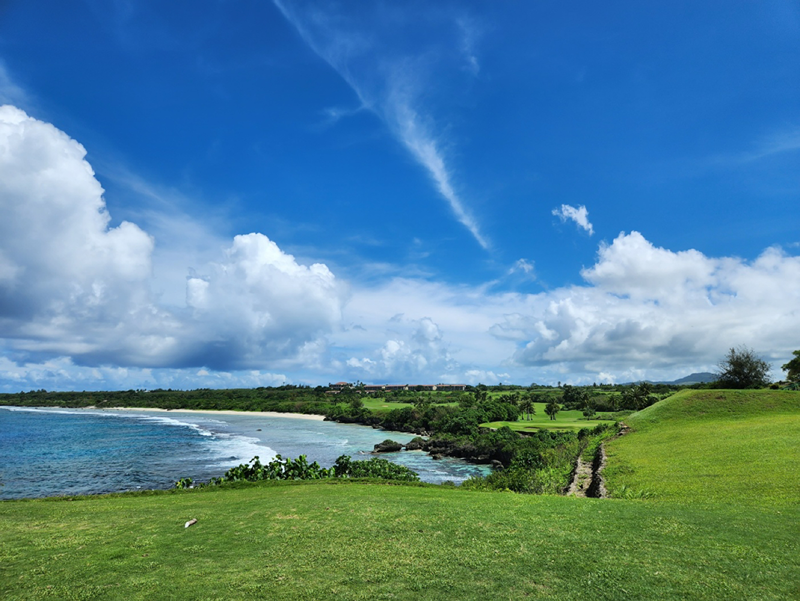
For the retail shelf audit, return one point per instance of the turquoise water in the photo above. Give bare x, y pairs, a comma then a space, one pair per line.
48, 452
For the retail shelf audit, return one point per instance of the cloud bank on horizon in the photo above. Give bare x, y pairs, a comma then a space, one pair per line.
77, 306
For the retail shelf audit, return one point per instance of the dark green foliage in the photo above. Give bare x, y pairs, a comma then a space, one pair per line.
374, 468
742, 368
793, 368
574, 397
552, 409
388, 446
541, 464
277, 469
289, 399
299, 469
637, 397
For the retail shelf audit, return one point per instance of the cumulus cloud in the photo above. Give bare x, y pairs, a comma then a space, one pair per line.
274, 305
60, 263
649, 307
417, 351
579, 215
72, 285
389, 76
642, 312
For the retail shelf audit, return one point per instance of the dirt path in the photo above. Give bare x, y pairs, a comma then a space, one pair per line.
581, 480
588, 478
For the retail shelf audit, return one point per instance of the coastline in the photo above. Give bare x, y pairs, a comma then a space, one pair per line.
311, 416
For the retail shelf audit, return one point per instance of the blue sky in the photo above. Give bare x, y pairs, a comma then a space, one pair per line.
250, 193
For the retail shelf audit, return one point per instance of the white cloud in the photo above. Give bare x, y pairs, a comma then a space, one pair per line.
259, 304
77, 308
415, 352
651, 308
61, 263
524, 268
389, 81
71, 285
644, 311
579, 215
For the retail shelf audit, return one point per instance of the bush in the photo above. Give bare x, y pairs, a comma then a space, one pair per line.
742, 368
299, 469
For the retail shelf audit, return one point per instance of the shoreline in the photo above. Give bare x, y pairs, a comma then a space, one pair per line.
311, 416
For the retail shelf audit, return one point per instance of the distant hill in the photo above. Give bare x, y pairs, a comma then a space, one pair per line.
696, 378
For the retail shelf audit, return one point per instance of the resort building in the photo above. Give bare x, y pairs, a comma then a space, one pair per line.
369, 388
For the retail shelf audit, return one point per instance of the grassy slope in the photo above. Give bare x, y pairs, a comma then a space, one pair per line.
714, 445
351, 541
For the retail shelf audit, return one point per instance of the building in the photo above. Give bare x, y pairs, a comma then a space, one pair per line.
371, 388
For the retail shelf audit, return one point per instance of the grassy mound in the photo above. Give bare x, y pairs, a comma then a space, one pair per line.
712, 446
375, 541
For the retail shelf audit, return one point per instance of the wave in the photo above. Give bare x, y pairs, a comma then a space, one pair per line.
225, 449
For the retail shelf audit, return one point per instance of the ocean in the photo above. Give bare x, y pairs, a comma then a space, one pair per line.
50, 452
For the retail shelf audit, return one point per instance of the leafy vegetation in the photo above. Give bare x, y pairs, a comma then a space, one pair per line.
300, 469
792, 368
742, 368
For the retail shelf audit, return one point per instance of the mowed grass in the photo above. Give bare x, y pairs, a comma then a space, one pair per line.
565, 420
712, 446
376, 541
381, 406
723, 523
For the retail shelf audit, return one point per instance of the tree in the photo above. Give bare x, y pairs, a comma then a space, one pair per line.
793, 368
552, 408
742, 368
573, 397
637, 396
527, 407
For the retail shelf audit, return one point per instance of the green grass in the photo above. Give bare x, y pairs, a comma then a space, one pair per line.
723, 523
362, 541
740, 447
565, 420
380, 406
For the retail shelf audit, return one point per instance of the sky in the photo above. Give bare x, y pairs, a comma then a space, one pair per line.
247, 193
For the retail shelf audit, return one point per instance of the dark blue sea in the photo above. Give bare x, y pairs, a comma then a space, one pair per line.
49, 452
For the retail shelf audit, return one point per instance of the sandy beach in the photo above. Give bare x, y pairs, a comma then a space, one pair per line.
215, 412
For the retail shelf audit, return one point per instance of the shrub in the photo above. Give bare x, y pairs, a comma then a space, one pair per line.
742, 368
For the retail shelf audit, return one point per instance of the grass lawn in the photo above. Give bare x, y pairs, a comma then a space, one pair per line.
380, 406
723, 522
740, 447
374, 541
565, 420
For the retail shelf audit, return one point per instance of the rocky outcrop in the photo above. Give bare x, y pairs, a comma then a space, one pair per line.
387, 446
416, 444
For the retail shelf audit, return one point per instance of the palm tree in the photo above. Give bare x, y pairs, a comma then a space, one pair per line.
552, 408
527, 407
